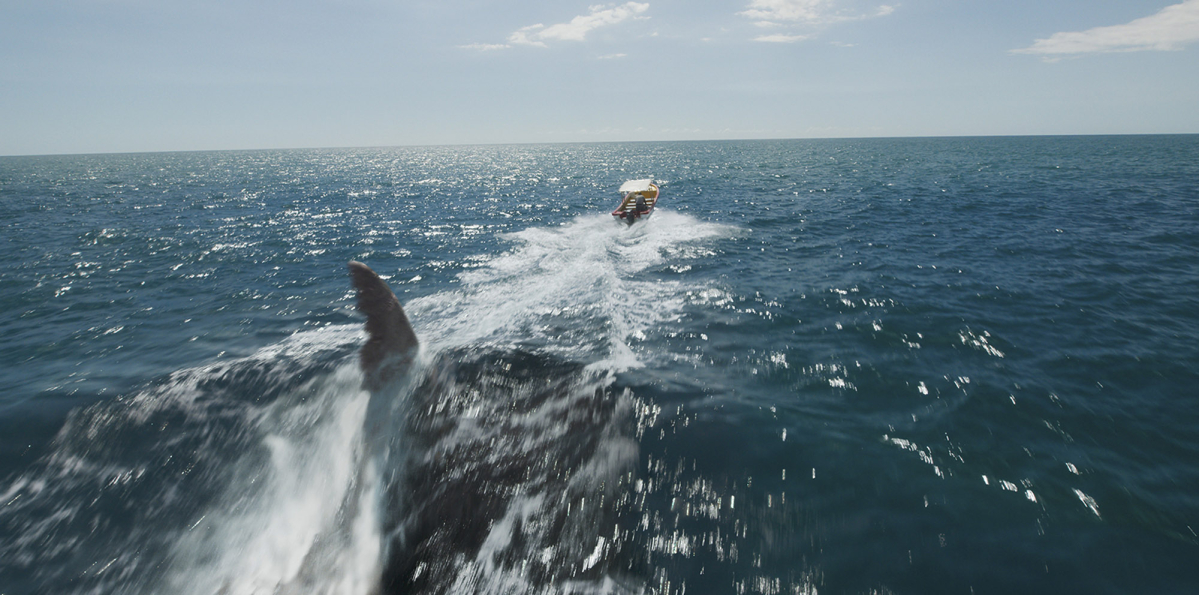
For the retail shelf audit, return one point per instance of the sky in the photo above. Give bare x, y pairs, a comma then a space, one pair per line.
98, 76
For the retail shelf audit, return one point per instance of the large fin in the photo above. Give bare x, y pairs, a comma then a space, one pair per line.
390, 339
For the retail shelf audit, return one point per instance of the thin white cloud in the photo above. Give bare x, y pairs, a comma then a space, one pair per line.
576, 29
484, 47
599, 17
781, 38
1171, 28
526, 36
767, 13
774, 11
802, 13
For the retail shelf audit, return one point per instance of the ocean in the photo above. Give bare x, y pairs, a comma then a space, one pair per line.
928, 365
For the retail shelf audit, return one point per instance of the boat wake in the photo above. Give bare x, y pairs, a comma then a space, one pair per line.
588, 290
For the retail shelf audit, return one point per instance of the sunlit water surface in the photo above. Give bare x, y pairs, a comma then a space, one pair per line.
859, 366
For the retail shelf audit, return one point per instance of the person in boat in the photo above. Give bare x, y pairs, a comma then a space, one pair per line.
639, 207
636, 211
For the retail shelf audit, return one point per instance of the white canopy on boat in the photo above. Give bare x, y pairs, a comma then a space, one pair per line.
635, 186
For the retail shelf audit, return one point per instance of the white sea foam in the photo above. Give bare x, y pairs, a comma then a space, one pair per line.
585, 289
303, 521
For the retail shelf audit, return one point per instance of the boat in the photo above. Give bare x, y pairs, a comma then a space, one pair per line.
637, 200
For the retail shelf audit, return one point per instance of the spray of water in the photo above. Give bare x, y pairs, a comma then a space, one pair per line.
304, 519
584, 290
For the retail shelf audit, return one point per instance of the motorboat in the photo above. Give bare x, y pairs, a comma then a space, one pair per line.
637, 200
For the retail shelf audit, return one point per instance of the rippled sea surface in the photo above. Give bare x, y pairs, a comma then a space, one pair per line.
841, 366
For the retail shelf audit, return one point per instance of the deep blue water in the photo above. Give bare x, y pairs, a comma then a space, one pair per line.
955, 365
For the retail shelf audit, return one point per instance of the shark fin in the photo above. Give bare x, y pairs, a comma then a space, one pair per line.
390, 338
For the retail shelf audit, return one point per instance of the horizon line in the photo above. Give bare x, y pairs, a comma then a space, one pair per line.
605, 142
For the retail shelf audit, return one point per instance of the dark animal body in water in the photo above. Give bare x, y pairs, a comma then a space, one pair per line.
509, 468
469, 470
